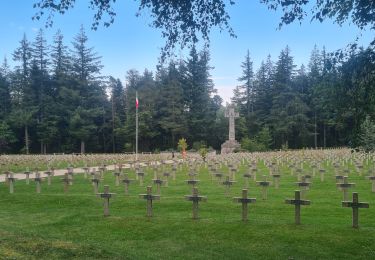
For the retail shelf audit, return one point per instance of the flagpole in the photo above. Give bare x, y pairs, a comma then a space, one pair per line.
136, 126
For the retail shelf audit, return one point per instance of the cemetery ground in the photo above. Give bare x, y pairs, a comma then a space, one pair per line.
54, 224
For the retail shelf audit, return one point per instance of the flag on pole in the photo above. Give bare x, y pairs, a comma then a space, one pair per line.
136, 101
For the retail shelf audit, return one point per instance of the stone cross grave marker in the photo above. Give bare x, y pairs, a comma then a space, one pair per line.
195, 198
339, 178
345, 187
174, 170
264, 185
247, 176
254, 170
11, 180
70, 173
192, 182
322, 172
38, 181
276, 179
158, 183
6, 173
233, 171
372, 179
218, 176
355, 205
166, 177
244, 200
95, 182
140, 176
126, 182
27, 173
149, 197
297, 202
227, 183
117, 178
304, 185
66, 181
86, 171
106, 195
49, 175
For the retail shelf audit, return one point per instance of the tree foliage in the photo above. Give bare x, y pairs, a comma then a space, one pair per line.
181, 22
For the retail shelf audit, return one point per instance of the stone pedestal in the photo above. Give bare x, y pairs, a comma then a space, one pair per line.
229, 146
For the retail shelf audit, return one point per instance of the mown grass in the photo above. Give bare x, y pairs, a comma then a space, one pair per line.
54, 225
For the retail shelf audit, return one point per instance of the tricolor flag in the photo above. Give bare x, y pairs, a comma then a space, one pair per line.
136, 101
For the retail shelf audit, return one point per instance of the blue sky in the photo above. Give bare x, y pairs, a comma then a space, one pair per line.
131, 44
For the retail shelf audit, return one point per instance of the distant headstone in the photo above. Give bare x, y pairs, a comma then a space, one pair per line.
27, 173
264, 184
344, 187
11, 180
38, 181
126, 182
66, 181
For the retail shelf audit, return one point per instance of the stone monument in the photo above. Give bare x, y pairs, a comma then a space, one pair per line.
230, 145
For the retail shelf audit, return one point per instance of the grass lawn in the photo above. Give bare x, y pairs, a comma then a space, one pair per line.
54, 225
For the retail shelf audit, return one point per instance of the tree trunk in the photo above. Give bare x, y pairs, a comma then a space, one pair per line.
324, 136
27, 139
82, 147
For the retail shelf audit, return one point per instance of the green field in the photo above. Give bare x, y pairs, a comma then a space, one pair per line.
54, 225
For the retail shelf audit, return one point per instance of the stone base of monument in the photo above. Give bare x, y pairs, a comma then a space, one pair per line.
229, 146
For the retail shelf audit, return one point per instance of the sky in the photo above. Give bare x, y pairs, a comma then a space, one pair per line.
130, 43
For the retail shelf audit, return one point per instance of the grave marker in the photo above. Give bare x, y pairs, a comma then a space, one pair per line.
355, 205
66, 181
117, 178
227, 183
344, 187
244, 200
276, 180
140, 176
49, 174
149, 197
247, 176
95, 182
158, 183
38, 181
195, 198
304, 185
11, 180
264, 185
126, 182
297, 202
27, 173
106, 196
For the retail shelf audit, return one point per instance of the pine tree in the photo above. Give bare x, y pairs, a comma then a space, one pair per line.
170, 112
86, 68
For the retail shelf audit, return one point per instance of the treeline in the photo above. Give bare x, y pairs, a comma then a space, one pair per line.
57, 100
329, 103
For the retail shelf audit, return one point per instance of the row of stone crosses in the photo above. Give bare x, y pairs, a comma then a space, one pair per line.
342, 183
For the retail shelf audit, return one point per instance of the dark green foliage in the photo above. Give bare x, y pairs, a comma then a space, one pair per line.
367, 135
181, 22
56, 100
